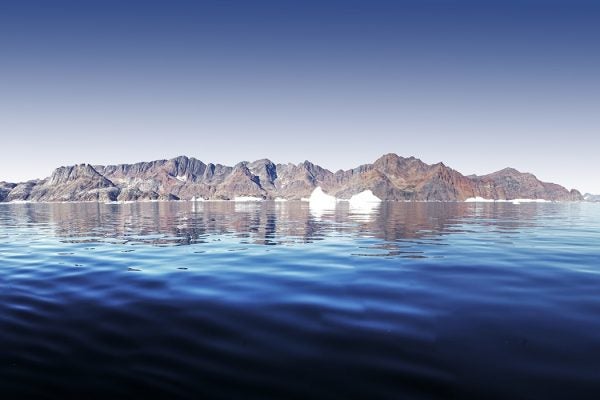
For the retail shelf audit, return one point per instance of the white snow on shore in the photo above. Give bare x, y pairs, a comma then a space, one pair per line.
478, 200
518, 201
514, 201
247, 198
280, 199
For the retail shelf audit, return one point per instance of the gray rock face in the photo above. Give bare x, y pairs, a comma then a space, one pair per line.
390, 177
240, 182
21, 191
75, 183
5, 189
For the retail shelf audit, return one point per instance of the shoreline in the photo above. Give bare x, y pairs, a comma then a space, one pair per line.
486, 201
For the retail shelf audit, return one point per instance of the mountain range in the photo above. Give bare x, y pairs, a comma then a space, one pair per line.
390, 177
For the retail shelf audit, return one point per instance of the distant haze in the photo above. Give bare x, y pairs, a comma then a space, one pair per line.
477, 85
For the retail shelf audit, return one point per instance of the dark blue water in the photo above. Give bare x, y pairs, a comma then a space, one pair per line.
274, 300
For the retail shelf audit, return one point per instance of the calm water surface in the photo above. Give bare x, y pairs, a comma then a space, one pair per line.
275, 300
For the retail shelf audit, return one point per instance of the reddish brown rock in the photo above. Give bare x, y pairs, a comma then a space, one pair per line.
390, 177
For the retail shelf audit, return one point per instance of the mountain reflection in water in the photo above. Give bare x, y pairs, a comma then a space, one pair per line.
268, 223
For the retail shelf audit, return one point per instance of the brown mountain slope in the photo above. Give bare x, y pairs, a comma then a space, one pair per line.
390, 177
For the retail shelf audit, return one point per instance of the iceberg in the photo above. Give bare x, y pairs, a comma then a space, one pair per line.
320, 199
365, 197
364, 203
247, 198
478, 200
320, 203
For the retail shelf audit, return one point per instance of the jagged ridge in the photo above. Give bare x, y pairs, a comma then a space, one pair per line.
390, 177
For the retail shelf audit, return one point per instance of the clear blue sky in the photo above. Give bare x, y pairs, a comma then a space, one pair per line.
480, 85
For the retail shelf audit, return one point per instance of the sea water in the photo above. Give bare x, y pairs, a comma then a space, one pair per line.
261, 300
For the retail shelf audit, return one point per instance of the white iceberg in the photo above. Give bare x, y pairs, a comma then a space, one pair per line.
320, 203
247, 198
478, 200
363, 204
320, 199
365, 197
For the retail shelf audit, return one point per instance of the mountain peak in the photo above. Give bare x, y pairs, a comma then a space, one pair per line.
64, 174
390, 177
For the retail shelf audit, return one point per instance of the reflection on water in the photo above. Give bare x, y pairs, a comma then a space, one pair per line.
269, 223
278, 300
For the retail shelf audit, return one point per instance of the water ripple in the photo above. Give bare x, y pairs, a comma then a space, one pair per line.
225, 300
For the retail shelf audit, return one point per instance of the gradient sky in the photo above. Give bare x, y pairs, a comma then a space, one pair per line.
479, 85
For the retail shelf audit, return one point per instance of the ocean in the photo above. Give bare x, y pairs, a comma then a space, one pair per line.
278, 300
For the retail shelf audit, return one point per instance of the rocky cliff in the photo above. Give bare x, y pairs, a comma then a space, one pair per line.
390, 177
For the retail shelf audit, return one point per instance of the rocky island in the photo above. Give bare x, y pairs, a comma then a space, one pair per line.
390, 177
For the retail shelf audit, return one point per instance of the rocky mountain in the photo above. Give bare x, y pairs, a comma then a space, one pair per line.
512, 184
390, 177
587, 197
5, 189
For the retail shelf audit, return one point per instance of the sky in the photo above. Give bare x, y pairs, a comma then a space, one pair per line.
480, 85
